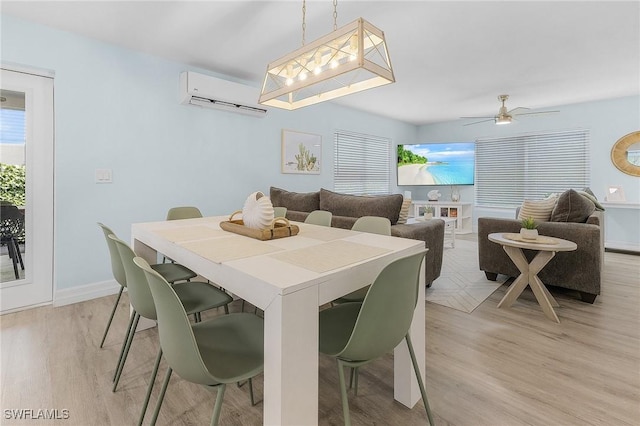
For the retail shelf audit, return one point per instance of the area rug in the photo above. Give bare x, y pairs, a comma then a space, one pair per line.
461, 285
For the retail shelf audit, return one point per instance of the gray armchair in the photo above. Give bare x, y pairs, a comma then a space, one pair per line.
578, 270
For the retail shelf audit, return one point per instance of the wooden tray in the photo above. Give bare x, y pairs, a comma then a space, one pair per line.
280, 228
539, 240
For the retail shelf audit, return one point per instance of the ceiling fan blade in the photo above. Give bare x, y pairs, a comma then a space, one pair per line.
478, 117
478, 122
515, 109
539, 112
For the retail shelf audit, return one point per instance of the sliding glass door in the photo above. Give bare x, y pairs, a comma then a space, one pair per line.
26, 189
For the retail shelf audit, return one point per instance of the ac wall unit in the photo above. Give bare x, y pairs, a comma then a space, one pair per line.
211, 92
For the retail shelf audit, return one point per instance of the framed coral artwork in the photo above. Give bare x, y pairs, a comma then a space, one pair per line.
301, 152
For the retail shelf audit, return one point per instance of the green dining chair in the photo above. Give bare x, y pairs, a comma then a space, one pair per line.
172, 272
279, 212
216, 352
373, 225
359, 333
319, 217
184, 212
195, 296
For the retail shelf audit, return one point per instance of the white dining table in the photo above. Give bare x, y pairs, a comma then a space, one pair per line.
289, 279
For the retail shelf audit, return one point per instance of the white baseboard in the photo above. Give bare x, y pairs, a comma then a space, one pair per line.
82, 293
622, 245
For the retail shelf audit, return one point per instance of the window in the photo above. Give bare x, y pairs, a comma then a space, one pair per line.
12, 130
361, 163
514, 168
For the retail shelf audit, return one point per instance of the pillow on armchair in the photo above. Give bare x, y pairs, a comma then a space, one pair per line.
572, 207
404, 211
539, 210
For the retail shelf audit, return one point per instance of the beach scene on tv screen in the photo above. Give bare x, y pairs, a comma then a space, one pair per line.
436, 164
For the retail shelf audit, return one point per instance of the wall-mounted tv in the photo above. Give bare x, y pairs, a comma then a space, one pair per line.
451, 163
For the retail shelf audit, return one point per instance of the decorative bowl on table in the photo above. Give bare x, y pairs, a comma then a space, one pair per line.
257, 212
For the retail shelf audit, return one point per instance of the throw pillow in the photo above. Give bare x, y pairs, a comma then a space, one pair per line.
572, 207
588, 191
539, 210
360, 205
295, 201
593, 198
404, 211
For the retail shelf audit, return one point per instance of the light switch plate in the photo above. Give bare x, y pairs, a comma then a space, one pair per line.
103, 176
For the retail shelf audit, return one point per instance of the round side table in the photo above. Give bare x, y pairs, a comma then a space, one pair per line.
547, 248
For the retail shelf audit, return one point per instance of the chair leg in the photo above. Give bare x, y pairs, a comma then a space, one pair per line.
416, 369
253, 402
150, 387
113, 312
12, 254
19, 254
124, 344
226, 309
343, 393
355, 390
161, 396
126, 351
218, 406
353, 377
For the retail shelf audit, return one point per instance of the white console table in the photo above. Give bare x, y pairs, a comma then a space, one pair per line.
622, 225
449, 227
459, 211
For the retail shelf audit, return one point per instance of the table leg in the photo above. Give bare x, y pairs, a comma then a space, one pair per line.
291, 359
539, 262
529, 275
453, 235
518, 286
539, 290
405, 385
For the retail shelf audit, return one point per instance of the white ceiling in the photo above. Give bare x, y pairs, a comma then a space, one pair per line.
450, 59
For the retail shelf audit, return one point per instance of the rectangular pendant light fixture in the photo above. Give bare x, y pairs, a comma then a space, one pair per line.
347, 60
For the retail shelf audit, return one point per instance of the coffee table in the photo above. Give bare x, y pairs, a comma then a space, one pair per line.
547, 248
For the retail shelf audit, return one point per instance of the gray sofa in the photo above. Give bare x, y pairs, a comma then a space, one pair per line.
346, 209
578, 270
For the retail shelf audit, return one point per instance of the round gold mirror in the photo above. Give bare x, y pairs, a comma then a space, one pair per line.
625, 154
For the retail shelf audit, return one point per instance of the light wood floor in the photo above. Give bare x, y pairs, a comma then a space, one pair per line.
492, 367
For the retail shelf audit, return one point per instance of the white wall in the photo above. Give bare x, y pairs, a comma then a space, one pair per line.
606, 120
118, 109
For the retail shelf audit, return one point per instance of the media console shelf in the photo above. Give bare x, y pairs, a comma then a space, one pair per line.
460, 211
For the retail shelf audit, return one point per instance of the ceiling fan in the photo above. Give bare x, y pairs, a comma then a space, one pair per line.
504, 116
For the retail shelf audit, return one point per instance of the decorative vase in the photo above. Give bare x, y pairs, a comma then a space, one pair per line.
455, 194
257, 212
528, 234
428, 215
434, 195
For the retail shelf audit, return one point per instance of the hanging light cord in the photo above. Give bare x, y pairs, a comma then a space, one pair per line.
335, 15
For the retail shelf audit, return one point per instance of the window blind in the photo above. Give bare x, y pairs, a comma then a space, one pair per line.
361, 163
511, 169
12, 130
